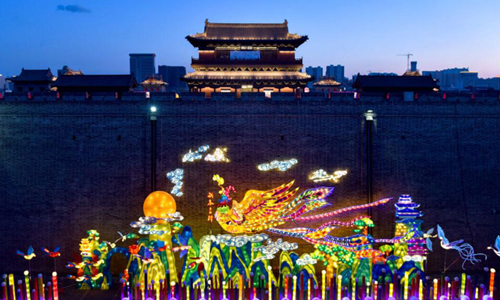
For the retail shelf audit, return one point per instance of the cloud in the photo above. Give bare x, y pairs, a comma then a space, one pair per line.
73, 8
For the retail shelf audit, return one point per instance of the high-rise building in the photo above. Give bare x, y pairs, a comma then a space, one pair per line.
413, 67
412, 71
495, 83
142, 65
382, 74
2, 83
448, 79
467, 79
316, 73
172, 76
336, 72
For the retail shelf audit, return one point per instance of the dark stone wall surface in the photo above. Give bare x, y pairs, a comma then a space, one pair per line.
66, 167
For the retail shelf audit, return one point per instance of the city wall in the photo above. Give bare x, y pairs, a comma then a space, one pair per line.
72, 164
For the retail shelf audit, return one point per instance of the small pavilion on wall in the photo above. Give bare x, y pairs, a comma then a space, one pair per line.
239, 58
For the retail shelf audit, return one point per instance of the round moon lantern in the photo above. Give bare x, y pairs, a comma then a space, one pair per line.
159, 204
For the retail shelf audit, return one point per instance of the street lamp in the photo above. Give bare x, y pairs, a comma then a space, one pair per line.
370, 118
152, 119
369, 115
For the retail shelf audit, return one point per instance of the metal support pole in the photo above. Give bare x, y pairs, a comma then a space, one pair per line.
152, 120
369, 117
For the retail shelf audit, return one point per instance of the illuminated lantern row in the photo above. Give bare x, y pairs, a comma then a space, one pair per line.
42, 290
236, 262
227, 261
282, 165
322, 176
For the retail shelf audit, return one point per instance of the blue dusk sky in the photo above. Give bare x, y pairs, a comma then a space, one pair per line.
96, 36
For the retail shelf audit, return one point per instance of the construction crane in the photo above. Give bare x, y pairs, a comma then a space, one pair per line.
407, 59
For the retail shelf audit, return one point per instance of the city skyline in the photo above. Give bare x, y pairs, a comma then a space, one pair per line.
363, 36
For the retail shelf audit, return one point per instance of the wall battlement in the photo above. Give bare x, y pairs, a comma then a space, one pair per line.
230, 97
